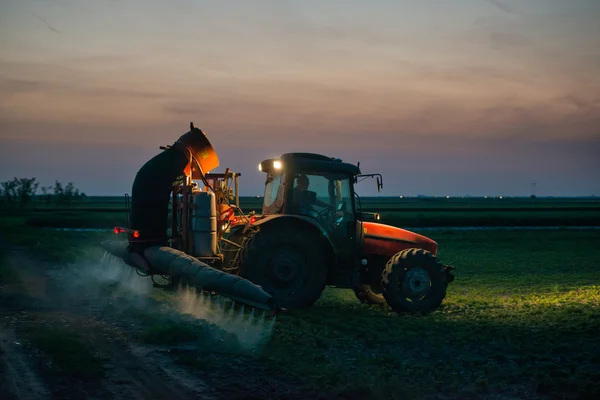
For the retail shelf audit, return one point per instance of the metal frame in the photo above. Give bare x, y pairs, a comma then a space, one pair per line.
180, 209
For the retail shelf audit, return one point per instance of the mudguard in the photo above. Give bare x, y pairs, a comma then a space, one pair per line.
386, 240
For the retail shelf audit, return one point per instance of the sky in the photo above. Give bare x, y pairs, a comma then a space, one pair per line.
462, 97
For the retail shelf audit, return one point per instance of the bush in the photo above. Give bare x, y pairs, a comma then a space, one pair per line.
19, 191
66, 195
22, 191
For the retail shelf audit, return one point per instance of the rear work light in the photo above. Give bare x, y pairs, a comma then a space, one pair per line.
118, 229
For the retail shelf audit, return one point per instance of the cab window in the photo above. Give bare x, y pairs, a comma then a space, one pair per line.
274, 193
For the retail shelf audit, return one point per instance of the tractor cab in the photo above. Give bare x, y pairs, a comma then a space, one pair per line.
318, 187
315, 186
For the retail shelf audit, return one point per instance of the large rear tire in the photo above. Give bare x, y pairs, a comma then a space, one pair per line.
287, 263
414, 281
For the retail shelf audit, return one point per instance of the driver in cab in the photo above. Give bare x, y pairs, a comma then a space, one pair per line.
304, 198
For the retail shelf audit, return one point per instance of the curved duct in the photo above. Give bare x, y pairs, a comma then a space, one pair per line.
169, 261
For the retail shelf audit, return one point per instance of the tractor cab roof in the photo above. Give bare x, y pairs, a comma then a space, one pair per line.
308, 162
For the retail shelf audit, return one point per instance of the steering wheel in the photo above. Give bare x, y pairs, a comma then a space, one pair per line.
326, 211
324, 215
330, 214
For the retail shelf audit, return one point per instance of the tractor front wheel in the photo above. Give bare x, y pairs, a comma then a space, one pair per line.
287, 263
414, 281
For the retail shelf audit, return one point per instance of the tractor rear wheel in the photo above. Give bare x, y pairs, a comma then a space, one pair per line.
414, 281
288, 263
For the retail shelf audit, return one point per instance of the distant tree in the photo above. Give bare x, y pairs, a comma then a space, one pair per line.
69, 193
26, 190
9, 191
58, 191
66, 195
46, 194
19, 190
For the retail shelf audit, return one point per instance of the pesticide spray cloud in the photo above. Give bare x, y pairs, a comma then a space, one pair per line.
252, 328
105, 287
110, 283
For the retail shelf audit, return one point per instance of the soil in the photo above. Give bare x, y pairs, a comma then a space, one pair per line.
132, 371
38, 300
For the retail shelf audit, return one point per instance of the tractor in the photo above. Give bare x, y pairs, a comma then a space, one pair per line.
312, 233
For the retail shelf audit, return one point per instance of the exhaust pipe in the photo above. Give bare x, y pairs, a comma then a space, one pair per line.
172, 262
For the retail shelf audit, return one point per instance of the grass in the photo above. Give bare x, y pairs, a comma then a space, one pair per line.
78, 219
382, 202
494, 217
8, 275
70, 356
449, 217
523, 310
521, 320
106, 212
50, 245
163, 329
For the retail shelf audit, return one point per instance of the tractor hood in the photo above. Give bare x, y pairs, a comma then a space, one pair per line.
388, 240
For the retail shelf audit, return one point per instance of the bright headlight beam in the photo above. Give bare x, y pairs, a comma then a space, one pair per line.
277, 164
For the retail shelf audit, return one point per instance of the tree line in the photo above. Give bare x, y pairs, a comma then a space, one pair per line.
20, 192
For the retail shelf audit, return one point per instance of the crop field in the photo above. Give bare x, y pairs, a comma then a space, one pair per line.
106, 212
521, 320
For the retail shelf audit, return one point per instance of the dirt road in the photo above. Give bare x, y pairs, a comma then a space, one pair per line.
38, 302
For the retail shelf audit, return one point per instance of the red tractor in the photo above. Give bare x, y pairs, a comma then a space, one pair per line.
311, 234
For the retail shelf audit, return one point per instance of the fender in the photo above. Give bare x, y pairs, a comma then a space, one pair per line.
387, 240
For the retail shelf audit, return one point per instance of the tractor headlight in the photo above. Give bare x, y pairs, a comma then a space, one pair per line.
260, 167
277, 164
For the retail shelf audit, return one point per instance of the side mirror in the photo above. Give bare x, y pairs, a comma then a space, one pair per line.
378, 176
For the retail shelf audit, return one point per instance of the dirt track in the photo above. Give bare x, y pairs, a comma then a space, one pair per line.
132, 371
79, 300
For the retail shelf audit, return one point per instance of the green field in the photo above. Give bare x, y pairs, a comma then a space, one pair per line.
521, 320
382, 203
106, 212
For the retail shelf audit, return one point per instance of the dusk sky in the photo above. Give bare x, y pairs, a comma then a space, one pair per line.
442, 97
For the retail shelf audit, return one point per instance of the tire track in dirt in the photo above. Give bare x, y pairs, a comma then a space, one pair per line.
135, 374
131, 372
18, 380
